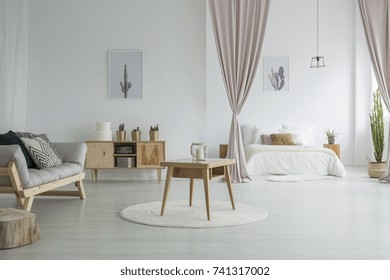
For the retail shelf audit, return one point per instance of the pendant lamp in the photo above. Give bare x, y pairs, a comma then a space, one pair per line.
317, 61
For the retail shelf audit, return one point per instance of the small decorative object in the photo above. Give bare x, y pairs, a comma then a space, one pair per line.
121, 133
198, 151
377, 168
153, 133
331, 135
276, 73
102, 132
136, 134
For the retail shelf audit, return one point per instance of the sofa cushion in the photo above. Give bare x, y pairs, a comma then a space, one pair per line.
51, 174
11, 138
41, 152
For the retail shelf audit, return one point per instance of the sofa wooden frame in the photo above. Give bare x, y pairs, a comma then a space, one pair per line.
25, 197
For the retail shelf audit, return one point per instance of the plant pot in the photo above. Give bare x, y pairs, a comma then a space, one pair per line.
331, 140
376, 169
136, 135
121, 135
153, 134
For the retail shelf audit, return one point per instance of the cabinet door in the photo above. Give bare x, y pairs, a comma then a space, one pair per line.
99, 155
149, 155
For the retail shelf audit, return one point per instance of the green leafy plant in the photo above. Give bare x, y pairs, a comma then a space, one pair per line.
154, 128
377, 126
122, 127
136, 129
331, 134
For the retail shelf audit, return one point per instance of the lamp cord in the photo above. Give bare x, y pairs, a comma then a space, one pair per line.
318, 30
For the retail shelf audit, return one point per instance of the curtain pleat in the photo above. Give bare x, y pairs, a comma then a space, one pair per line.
375, 16
239, 29
13, 63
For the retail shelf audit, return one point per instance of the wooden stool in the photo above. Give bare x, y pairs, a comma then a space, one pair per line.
17, 228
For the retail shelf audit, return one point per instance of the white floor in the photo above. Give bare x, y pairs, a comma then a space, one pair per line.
313, 220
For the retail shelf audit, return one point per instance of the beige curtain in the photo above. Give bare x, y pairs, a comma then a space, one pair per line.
375, 16
239, 28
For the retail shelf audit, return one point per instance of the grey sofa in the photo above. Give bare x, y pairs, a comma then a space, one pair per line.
17, 178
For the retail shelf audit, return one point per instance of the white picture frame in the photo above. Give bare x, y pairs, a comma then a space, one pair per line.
118, 87
276, 73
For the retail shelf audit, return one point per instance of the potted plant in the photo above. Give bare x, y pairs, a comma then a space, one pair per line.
331, 135
377, 168
153, 133
136, 134
121, 133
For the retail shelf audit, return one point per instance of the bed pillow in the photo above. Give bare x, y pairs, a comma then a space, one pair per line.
10, 138
282, 139
299, 136
261, 130
266, 139
247, 134
41, 152
303, 130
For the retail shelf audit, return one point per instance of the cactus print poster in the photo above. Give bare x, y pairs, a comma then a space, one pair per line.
125, 74
276, 73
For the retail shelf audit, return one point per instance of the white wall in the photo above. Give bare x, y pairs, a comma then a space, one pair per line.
325, 97
68, 85
183, 89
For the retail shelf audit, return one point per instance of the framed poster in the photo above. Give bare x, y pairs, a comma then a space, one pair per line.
276, 73
125, 74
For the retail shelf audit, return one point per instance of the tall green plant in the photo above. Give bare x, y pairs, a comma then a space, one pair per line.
377, 126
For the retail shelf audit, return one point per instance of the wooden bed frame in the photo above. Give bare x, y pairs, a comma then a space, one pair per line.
25, 197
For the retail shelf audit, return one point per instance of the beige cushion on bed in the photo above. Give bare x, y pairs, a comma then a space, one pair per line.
282, 139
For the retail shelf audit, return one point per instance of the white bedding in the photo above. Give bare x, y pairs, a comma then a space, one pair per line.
292, 160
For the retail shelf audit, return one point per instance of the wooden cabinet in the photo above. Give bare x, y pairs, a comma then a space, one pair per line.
134, 154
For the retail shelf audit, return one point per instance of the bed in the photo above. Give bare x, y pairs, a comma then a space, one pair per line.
298, 156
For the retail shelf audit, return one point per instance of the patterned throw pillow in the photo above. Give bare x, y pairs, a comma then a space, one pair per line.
282, 139
33, 135
41, 152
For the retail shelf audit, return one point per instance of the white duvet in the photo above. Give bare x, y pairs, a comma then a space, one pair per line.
292, 160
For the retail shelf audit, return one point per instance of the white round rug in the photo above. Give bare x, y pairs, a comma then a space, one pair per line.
178, 214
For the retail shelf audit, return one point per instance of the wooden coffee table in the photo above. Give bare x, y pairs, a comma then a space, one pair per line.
187, 168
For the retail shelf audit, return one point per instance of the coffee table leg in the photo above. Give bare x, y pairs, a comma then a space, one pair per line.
206, 190
191, 189
166, 189
229, 185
